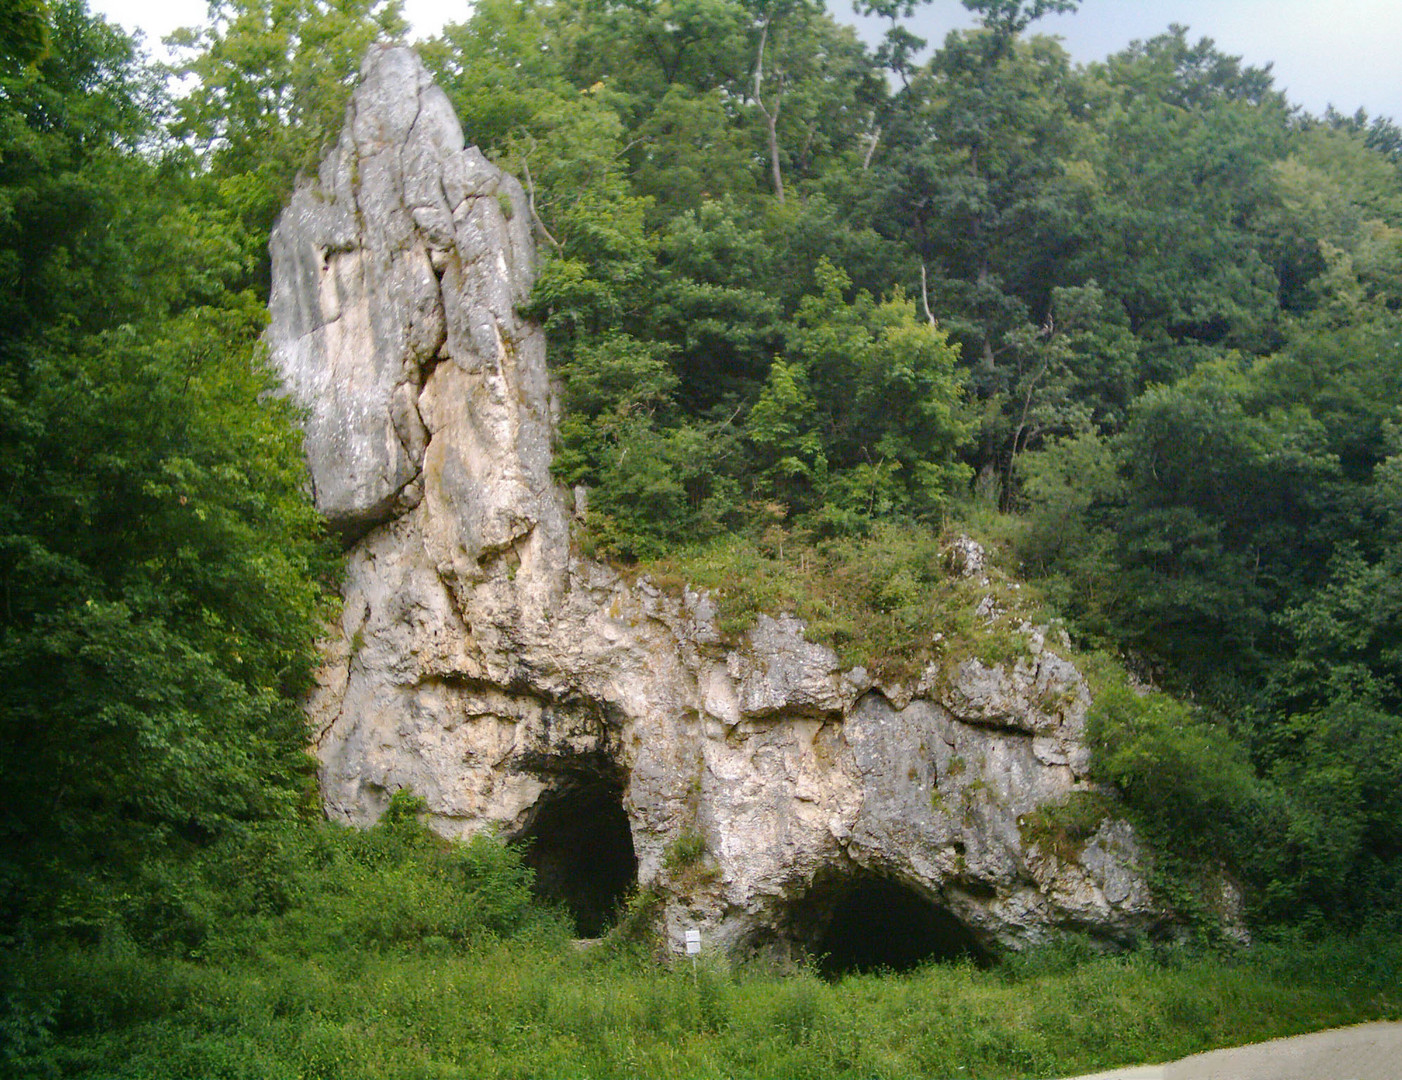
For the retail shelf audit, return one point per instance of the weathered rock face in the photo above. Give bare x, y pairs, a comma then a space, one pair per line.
514, 684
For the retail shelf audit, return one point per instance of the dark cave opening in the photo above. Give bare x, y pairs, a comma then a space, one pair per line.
580, 846
872, 923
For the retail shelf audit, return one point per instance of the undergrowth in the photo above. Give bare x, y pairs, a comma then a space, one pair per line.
534, 1006
891, 601
1064, 828
392, 954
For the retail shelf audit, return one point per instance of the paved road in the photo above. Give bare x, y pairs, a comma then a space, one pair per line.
1365, 1052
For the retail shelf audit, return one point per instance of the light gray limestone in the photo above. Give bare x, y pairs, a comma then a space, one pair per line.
479, 656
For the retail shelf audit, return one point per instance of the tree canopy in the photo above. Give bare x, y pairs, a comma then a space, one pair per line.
1145, 308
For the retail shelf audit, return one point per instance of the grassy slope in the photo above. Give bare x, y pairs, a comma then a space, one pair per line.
890, 601
535, 1007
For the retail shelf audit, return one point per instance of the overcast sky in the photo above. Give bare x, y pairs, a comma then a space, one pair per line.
1347, 53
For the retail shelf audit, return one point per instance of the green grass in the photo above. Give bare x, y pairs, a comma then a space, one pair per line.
889, 601
299, 951
535, 1007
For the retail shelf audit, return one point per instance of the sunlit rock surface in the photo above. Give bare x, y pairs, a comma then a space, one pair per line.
514, 684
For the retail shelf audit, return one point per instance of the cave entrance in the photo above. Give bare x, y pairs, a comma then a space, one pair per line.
872, 923
580, 846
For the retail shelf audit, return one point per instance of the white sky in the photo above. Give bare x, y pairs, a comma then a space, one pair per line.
1347, 53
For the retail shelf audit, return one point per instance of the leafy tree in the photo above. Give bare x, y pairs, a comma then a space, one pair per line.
1007, 18
783, 428
70, 124
1176, 246
716, 305
271, 79
24, 34
159, 564
511, 67
899, 47
881, 437
690, 153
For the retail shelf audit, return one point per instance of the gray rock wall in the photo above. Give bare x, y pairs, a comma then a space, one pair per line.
483, 663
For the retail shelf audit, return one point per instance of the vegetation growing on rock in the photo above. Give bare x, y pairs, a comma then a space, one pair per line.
813, 309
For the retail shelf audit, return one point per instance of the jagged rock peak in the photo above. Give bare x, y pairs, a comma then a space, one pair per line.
763, 791
408, 250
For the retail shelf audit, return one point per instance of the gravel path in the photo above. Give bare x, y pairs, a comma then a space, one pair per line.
1365, 1052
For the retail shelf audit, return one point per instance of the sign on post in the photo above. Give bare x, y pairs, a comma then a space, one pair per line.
693, 942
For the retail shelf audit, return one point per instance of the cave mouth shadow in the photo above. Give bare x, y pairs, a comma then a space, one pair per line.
869, 923
580, 846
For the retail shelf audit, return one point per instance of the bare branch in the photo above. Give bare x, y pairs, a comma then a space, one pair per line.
530, 202
925, 296
759, 66
771, 119
873, 138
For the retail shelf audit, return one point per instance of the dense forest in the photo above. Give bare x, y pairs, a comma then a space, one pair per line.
1136, 324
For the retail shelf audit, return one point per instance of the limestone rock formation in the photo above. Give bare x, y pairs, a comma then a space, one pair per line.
516, 685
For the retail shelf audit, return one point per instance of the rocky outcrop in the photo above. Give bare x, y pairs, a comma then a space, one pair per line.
514, 684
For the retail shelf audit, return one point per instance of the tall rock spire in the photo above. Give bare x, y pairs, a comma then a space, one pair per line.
396, 280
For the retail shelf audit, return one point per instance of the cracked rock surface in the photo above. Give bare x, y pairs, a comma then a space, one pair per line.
485, 665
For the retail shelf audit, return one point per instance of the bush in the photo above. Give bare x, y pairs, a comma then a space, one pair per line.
887, 601
1062, 829
1192, 785
398, 884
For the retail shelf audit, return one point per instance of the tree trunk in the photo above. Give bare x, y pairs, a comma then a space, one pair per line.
771, 119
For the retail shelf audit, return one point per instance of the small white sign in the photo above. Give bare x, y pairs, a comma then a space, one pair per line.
693, 942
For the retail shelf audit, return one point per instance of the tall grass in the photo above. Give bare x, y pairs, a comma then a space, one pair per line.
390, 954
534, 1006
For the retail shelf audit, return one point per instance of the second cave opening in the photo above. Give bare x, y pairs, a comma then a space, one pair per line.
871, 923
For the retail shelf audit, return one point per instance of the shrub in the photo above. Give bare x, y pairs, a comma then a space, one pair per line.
1063, 828
1191, 783
688, 849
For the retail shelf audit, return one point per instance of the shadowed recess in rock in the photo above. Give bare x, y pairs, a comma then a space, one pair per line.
872, 923
581, 849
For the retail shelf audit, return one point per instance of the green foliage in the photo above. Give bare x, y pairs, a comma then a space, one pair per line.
1200, 536
688, 849
1063, 540
160, 569
1336, 855
887, 601
882, 438
407, 888
24, 34
267, 83
1189, 783
1062, 829
533, 1007
272, 79
159, 565
1227, 126
295, 889
76, 205
1009, 17
685, 860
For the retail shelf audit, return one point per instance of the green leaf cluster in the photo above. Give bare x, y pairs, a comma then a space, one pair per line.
160, 568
